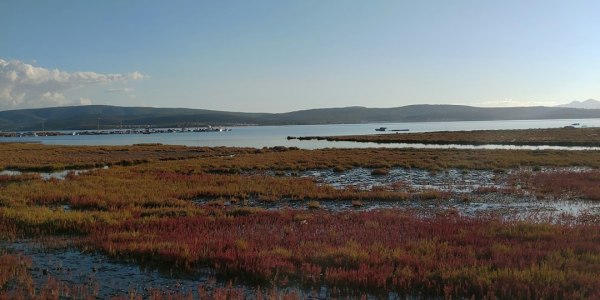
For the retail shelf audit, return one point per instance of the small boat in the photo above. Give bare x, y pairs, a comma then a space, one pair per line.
381, 129
575, 124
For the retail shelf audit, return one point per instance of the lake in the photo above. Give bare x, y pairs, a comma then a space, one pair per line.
269, 136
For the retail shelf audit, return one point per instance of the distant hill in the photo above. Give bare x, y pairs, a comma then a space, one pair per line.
86, 117
587, 104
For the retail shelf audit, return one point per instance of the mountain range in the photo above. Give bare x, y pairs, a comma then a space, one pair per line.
587, 104
93, 116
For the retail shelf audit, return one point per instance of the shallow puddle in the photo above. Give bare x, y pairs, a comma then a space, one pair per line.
463, 187
509, 208
60, 175
105, 278
416, 179
450, 180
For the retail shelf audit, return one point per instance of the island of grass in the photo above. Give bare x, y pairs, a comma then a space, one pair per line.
568, 136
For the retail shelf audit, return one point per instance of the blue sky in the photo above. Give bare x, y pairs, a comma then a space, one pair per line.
276, 56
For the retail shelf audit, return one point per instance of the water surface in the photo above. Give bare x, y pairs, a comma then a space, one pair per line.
270, 136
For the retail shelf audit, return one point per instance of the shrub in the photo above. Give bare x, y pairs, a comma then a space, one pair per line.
314, 205
380, 172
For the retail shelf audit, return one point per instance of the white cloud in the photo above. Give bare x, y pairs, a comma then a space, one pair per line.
121, 90
53, 97
24, 85
85, 101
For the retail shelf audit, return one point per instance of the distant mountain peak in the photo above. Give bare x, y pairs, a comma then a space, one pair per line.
586, 104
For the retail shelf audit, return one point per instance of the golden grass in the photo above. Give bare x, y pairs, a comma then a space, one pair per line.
552, 136
235, 160
32, 156
342, 159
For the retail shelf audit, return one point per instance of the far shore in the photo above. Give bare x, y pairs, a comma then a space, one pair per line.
568, 136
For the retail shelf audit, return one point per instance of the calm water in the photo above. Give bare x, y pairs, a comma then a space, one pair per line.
269, 136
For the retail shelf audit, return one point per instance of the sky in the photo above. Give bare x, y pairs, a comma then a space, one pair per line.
277, 56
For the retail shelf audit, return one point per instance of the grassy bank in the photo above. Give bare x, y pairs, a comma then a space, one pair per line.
586, 137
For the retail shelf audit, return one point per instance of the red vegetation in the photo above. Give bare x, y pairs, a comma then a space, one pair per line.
16, 282
14, 274
145, 212
564, 184
379, 250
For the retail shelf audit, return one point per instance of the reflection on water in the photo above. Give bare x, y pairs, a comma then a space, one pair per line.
451, 180
270, 136
508, 201
60, 175
114, 278
507, 207
106, 278
10, 173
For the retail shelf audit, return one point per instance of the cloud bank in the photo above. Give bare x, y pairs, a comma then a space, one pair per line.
24, 85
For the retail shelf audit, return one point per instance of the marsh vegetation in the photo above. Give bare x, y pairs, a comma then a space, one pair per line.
569, 136
289, 223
